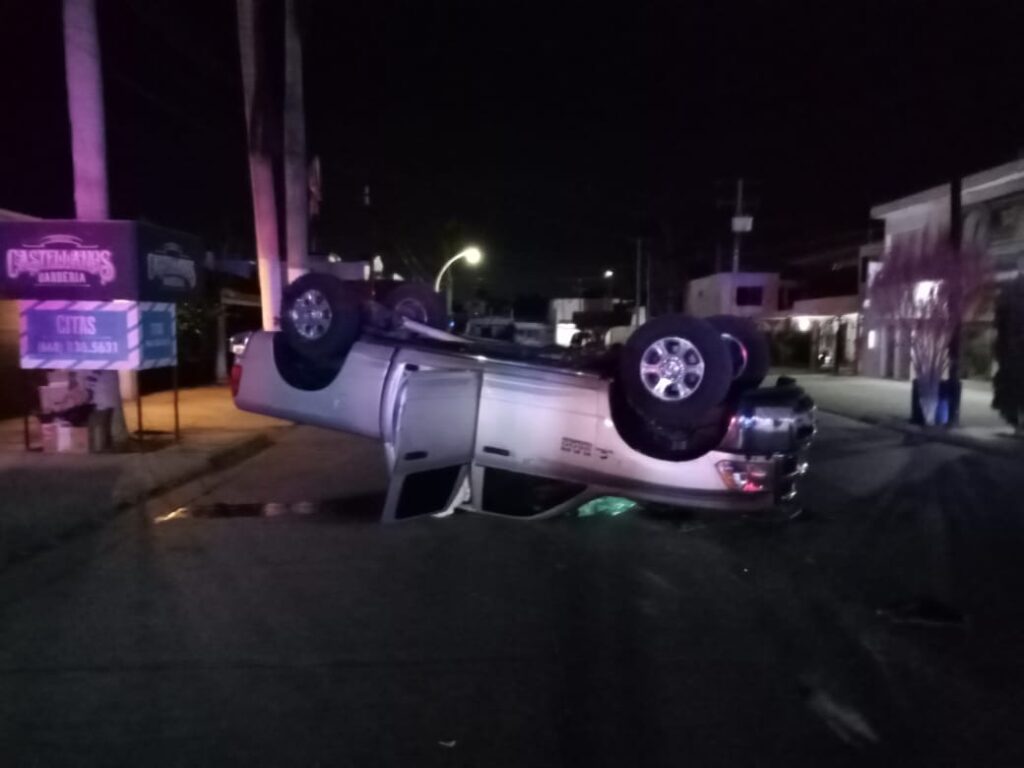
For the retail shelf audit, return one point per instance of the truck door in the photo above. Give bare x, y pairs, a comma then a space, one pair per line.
433, 433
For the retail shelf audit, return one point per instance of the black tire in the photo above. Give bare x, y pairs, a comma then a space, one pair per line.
330, 335
667, 444
688, 400
418, 302
750, 363
299, 371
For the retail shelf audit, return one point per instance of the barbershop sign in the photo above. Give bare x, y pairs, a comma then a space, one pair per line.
97, 261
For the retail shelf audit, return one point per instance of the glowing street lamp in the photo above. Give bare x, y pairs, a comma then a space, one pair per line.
472, 255
609, 276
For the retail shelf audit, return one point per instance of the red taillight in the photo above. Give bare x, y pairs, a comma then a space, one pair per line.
744, 476
236, 379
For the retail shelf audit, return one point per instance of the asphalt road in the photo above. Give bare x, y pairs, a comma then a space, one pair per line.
323, 638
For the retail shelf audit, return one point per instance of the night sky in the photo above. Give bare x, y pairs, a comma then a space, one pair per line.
551, 134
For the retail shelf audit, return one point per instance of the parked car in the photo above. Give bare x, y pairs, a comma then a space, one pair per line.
508, 329
673, 417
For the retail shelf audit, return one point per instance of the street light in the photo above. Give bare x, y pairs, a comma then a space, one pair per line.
609, 275
472, 255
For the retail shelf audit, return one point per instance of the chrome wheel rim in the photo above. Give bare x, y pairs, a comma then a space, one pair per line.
671, 369
311, 314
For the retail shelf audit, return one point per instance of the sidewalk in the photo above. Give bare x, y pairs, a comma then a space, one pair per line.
47, 497
886, 402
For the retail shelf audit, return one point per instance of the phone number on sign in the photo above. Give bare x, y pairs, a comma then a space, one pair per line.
92, 347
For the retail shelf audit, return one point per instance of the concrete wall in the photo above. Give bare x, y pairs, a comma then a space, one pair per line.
995, 222
831, 305
8, 338
17, 387
889, 356
885, 351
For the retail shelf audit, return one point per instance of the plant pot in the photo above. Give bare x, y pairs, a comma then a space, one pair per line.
928, 406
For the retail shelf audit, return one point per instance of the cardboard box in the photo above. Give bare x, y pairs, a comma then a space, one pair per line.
48, 436
58, 437
72, 439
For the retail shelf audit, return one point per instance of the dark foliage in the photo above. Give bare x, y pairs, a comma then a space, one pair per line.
1008, 385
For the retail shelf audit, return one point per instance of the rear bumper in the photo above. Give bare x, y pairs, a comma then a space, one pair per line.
779, 487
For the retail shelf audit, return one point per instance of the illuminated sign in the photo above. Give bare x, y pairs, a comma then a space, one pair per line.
95, 335
97, 261
61, 260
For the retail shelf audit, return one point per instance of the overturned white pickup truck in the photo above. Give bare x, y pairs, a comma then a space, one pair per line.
674, 416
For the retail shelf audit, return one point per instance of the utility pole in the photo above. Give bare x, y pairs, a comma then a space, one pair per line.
296, 172
316, 199
736, 231
648, 287
639, 261
85, 110
255, 81
740, 204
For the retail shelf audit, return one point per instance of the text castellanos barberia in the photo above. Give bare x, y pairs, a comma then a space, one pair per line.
64, 266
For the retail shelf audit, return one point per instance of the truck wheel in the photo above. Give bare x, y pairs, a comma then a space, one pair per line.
748, 349
320, 317
667, 444
674, 369
418, 302
301, 372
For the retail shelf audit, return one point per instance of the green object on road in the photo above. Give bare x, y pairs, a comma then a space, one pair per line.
606, 505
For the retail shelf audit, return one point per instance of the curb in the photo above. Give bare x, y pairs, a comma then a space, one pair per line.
1012, 448
215, 462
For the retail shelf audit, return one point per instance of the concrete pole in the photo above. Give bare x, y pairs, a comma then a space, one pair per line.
89, 163
261, 175
85, 109
648, 287
222, 344
639, 261
735, 233
296, 172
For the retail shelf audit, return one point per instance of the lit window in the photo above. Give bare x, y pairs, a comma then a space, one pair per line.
925, 291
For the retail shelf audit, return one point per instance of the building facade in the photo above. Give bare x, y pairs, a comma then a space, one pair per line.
992, 210
747, 294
